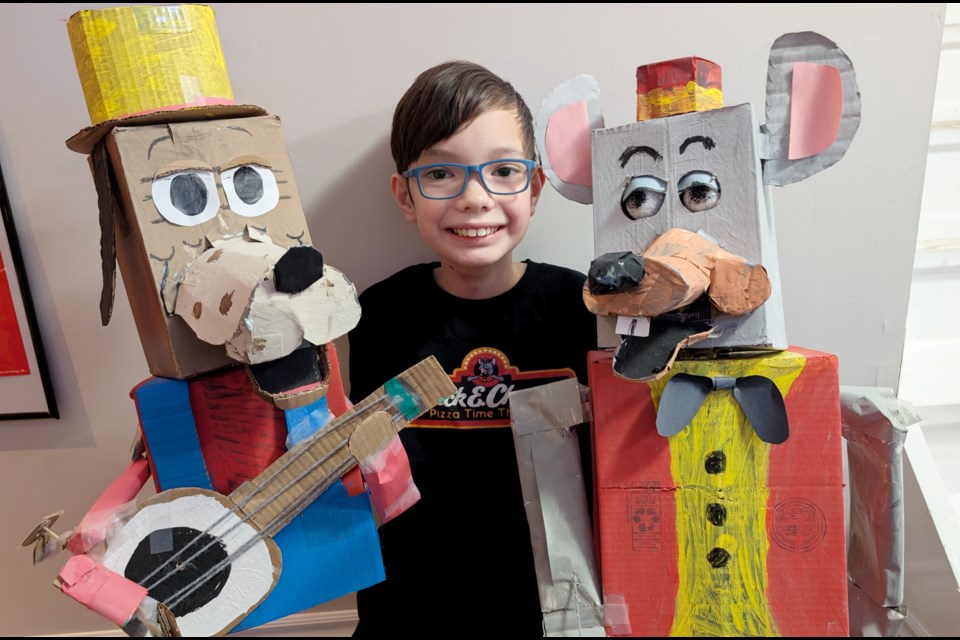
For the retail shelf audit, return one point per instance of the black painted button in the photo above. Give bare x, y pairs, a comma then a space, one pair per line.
718, 557
716, 514
716, 462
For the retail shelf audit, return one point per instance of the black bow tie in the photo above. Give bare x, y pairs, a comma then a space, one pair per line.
759, 398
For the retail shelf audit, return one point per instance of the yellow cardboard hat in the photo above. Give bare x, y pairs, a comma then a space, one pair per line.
674, 87
147, 65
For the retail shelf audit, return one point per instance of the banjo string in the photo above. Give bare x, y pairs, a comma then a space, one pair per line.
279, 521
297, 453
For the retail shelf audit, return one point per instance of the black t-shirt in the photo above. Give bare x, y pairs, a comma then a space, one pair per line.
460, 560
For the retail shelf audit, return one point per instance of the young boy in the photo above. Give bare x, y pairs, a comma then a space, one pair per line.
461, 559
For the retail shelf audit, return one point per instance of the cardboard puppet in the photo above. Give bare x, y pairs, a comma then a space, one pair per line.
245, 429
719, 504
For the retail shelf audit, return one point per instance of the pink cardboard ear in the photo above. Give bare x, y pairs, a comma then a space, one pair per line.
567, 144
562, 130
815, 109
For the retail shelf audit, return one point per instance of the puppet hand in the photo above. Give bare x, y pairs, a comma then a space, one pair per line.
389, 479
101, 590
384, 465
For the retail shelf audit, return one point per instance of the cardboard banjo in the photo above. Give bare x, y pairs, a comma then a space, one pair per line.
208, 558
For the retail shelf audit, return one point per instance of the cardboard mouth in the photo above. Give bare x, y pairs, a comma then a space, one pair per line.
295, 380
650, 358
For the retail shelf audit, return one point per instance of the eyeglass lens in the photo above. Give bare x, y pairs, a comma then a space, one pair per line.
501, 178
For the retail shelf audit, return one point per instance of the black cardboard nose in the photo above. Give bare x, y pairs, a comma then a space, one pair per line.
299, 268
614, 272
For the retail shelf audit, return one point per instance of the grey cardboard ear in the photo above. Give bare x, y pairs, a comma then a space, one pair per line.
584, 91
786, 51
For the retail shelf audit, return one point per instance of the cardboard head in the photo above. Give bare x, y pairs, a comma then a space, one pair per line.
209, 211
201, 210
683, 191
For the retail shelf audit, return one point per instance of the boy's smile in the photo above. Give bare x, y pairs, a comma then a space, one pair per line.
471, 232
474, 234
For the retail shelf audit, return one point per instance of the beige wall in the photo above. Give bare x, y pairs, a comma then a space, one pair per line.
333, 73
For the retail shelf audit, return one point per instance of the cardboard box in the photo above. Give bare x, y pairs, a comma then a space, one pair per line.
757, 548
741, 222
152, 251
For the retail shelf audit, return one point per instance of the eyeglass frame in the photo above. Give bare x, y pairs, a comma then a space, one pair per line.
470, 168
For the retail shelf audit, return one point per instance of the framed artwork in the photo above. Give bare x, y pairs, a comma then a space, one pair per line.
26, 390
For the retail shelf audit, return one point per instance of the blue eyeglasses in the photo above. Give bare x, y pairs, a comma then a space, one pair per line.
447, 180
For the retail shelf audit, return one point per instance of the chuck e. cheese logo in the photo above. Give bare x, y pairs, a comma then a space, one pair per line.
484, 381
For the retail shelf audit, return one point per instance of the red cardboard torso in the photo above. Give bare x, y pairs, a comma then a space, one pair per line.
792, 582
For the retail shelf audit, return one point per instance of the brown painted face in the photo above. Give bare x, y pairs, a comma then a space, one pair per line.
211, 212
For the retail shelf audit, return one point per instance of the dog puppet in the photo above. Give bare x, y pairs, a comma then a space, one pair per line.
236, 312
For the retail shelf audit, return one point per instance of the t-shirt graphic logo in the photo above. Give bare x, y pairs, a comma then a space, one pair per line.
484, 381
485, 372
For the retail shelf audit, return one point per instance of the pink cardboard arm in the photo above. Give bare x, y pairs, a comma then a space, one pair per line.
102, 514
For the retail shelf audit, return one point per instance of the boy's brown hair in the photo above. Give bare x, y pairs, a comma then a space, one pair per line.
445, 98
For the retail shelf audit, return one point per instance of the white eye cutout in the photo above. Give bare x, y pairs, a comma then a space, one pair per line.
251, 190
642, 197
186, 198
699, 191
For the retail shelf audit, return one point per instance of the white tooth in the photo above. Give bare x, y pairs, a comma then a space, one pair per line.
475, 233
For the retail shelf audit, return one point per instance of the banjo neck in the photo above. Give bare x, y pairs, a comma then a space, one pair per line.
281, 491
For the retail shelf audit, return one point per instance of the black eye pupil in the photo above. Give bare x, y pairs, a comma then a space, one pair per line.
636, 199
248, 184
699, 193
188, 194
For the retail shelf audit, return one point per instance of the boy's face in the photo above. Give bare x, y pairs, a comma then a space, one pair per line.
475, 231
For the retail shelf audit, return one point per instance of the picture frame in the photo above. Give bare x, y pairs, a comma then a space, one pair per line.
26, 389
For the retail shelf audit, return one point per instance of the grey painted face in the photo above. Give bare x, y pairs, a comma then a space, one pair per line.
706, 166
741, 221
697, 153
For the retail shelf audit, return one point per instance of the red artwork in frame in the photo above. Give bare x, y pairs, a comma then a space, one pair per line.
13, 356
26, 390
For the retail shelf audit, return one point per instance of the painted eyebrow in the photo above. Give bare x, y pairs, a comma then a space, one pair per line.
632, 151
154, 143
707, 141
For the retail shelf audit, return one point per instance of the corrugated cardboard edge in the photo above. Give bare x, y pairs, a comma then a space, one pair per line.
86, 139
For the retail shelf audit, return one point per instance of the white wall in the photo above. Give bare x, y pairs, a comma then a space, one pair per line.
334, 73
931, 367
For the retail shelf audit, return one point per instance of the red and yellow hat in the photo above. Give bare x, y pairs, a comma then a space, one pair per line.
147, 65
673, 87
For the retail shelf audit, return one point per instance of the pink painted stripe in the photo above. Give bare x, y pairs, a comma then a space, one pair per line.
199, 102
